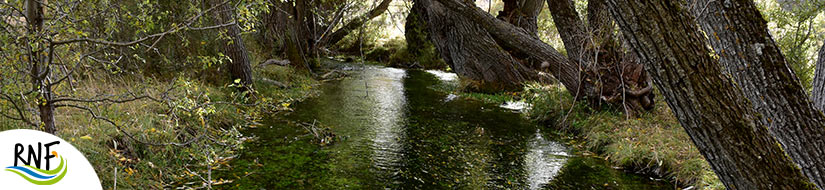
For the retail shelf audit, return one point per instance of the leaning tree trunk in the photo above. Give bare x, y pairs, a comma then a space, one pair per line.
469, 50
339, 34
568, 71
518, 39
739, 35
523, 14
712, 110
40, 68
234, 46
818, 92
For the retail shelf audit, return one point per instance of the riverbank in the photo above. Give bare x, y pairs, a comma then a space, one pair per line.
204, 118
652, 144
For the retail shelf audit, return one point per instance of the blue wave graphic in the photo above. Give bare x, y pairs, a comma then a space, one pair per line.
31, 173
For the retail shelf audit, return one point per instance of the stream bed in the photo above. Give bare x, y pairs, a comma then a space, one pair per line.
392, 130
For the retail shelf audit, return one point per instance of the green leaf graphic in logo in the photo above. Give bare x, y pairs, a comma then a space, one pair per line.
31, 173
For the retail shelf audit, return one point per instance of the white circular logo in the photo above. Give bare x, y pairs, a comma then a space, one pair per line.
32, 159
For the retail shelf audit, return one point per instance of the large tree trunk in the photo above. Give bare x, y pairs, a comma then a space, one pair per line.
569, 71
610, 75
712, 110
522, 13
339, 34
233, 47
740, 37
286, 26
571, 29
469, 50
40, 68
518, 39
818, 92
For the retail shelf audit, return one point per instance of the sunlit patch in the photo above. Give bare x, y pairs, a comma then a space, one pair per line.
450, 97
444, 76
543, 160
515, 105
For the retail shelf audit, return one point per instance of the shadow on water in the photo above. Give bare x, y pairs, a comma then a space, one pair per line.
395, 132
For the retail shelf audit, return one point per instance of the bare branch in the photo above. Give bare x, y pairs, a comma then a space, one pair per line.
22, 117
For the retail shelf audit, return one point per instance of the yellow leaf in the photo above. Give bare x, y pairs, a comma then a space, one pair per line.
87, 137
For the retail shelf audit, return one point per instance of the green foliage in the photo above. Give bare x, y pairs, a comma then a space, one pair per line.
551, 104
798, 31
194, 103
418, 50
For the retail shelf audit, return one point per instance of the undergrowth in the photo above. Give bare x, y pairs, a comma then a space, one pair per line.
653, 143
204, 117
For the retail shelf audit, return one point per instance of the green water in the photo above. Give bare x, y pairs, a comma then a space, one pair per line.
393, 131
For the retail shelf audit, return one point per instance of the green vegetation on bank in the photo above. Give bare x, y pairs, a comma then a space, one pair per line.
205, 117
653, 144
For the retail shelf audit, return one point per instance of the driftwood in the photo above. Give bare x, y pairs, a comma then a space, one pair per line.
274, 62
333, 75
274, 82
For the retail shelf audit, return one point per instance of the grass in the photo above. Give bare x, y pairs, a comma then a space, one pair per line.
653, 144
136, 165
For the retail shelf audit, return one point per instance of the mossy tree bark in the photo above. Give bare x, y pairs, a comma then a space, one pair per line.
712, 110
616, 80
818, 92
234, 46
290, 29
470, 50
739, 36
419, 46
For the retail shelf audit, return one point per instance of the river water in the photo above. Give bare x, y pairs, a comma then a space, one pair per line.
394, 131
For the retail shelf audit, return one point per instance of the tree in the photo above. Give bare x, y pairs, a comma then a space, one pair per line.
234, 47
52, 43
339, 34
818, 92
710, 108
740, 38
610, 75
470, 50
301, 29
40, 67
613, 79
288, 22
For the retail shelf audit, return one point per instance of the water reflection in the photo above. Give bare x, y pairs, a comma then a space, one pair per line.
543, 160
386, 88
397, 132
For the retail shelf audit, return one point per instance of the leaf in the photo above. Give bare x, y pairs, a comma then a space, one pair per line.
87, 137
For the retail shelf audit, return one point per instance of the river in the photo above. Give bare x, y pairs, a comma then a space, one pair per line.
394, 131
